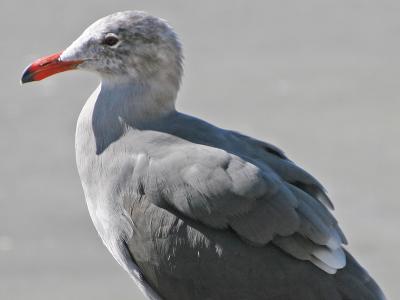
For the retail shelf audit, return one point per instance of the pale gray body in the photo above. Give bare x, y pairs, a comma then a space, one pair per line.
177, 257
190, 210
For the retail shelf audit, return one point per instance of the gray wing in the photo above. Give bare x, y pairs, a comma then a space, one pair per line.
259, 194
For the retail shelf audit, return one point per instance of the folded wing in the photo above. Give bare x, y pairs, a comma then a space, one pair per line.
264, 198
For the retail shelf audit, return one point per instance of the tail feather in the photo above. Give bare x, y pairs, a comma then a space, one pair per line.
354, 282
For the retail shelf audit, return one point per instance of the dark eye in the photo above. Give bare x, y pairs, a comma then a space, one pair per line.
110, 40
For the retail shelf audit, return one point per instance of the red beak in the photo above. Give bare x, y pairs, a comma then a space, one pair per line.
47, 66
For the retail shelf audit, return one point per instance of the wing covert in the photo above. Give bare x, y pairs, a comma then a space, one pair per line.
266, 199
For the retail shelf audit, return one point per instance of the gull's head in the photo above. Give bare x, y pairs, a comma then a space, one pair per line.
128, 45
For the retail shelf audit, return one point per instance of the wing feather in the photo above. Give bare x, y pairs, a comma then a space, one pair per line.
257, 192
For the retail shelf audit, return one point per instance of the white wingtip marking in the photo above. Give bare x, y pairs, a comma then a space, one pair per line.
335, 259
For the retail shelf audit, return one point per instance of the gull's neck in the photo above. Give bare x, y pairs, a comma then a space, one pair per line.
136, 101
122, 105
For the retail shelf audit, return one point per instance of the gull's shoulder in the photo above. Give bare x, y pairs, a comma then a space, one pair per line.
199, 131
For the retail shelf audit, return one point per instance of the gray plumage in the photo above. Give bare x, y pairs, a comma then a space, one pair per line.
192, 211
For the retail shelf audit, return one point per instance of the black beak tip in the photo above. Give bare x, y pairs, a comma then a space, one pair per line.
26, 76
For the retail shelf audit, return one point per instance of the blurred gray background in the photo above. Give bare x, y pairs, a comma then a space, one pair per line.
320, 79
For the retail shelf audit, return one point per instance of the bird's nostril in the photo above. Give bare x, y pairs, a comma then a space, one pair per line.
45, 63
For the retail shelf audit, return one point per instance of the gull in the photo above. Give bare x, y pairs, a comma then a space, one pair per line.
190, 210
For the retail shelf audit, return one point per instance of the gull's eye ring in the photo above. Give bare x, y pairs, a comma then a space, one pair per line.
111, 40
